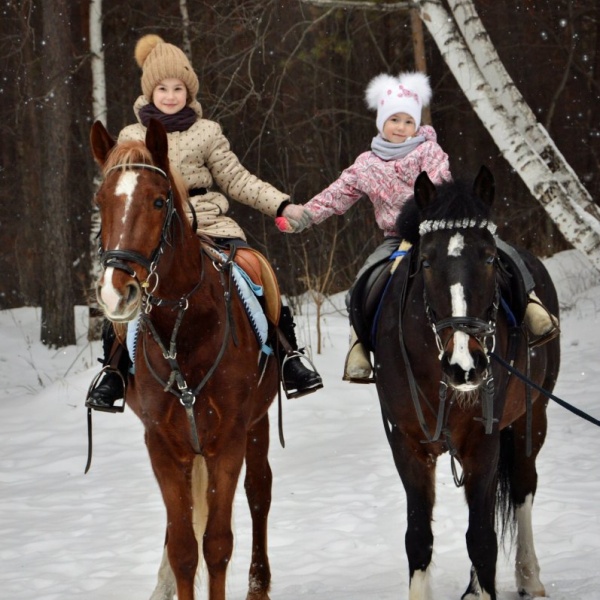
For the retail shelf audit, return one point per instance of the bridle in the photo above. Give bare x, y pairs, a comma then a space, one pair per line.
481, 330
119, 259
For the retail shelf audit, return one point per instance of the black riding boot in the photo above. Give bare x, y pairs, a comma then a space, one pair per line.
298, 379
111, 387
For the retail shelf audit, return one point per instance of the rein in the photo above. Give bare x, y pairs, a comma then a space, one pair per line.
187, 397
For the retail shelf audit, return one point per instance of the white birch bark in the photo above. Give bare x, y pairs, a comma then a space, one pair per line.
488, 61
580, 225
185, 18
97, 52
99, 110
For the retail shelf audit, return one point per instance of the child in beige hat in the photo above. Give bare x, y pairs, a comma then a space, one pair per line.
201, 153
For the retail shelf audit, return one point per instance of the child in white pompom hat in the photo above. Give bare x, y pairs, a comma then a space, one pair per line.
385, 174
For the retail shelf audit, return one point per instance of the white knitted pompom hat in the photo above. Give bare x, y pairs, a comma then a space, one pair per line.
408, 93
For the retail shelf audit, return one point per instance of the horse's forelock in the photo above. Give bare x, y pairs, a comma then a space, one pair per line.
134, 153
127, 153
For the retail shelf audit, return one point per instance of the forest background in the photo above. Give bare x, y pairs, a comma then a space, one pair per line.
286, 80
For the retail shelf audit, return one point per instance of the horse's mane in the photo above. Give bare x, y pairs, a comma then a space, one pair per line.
133, 152
454, 200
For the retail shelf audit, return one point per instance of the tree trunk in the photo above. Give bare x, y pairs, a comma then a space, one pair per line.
579, 223
58, 322
99, 108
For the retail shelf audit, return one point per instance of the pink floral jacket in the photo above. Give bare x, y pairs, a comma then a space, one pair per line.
388, 184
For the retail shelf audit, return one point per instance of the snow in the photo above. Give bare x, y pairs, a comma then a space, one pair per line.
338, 514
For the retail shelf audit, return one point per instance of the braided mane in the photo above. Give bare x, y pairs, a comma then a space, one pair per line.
455, 202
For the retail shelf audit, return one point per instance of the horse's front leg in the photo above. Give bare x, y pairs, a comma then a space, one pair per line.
258, 483
417, 470
480, 477
174, 477
224, 460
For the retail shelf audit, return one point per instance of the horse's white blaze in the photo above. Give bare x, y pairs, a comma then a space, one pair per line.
456, 245
460, 354
126, 187
109, 295
527, 568
419, 586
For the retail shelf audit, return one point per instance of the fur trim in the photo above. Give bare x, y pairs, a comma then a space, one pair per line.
418, 83
144, 46
376, 88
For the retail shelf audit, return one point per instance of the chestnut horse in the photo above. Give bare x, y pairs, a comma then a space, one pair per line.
197, 388
442, 321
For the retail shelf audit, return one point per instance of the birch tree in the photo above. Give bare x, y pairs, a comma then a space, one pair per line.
99, 108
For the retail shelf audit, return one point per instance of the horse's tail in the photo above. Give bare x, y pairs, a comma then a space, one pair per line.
199, 491
505, 501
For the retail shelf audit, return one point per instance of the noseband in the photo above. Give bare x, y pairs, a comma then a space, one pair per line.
119, 259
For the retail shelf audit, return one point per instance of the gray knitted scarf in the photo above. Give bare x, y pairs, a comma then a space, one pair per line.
389, 151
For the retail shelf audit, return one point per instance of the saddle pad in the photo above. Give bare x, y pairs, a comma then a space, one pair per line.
260, 272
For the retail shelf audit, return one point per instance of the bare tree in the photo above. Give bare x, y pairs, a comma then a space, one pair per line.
58, 322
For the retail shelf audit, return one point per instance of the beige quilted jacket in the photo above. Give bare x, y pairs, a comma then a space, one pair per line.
203, 157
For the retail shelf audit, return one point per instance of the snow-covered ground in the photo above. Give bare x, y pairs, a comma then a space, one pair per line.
338, 514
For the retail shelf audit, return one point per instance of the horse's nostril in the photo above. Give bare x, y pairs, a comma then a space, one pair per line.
132, 293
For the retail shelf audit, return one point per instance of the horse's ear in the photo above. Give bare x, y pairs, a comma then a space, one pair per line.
484, 186
101, 142
424, 190
158, 144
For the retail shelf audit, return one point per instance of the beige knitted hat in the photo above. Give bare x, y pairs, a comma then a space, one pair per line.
160, 60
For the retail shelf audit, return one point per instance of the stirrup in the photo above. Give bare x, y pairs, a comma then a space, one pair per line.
298, 393
118, 405
540, 340
347, 377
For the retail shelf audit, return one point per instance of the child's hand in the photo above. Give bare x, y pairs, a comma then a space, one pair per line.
294, 219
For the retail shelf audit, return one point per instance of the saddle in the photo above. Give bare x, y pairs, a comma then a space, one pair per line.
258, 269
368, 292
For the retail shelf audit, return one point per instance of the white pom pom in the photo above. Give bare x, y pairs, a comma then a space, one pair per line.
377, 88
418, 83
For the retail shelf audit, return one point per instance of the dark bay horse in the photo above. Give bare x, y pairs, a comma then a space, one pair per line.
441, 322
197, 386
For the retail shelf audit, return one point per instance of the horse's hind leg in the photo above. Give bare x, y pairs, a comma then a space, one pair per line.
224, 461
258, 483
166, 586
521, 475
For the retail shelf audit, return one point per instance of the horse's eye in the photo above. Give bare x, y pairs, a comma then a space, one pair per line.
425, 263
490, 260
159, 203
